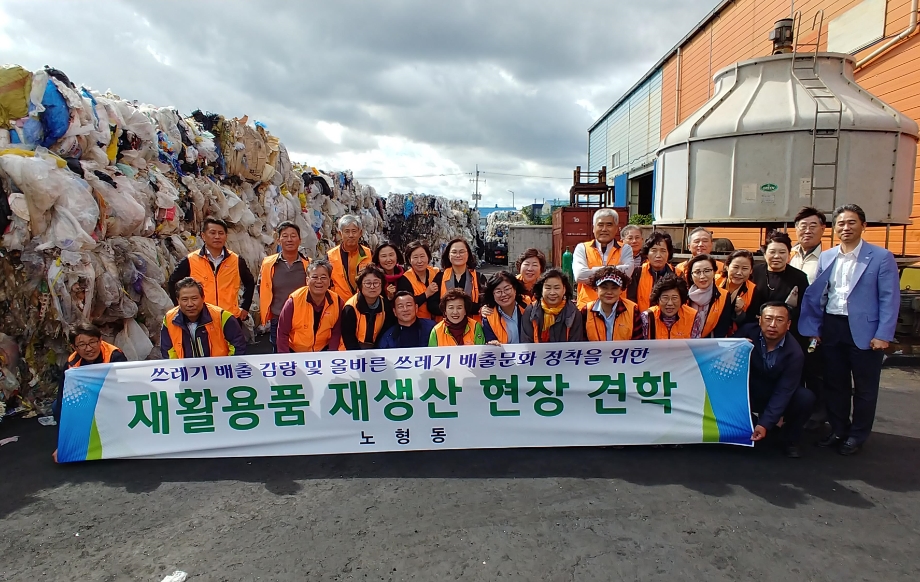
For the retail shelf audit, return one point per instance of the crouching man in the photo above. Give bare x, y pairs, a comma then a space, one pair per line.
196, 329
775, 382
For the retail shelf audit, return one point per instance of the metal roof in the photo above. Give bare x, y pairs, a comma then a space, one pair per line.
715, 12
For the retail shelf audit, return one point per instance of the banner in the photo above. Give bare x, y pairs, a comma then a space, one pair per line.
526, 395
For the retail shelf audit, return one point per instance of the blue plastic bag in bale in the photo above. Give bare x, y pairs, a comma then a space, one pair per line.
56, 116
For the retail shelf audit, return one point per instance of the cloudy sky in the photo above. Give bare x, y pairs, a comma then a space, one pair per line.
409, 95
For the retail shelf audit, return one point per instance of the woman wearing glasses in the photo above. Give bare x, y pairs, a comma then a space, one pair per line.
311, 318
713, 311
670, 317
368, 313
458, 264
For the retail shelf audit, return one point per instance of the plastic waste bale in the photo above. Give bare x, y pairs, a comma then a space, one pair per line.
15, 86
134, 341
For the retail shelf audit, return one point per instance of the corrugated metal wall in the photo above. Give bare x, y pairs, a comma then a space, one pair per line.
740, 32
626, 139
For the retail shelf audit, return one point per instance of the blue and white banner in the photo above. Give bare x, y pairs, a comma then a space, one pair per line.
526, 395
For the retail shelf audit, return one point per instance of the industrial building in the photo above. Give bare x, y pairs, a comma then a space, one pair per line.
880, 35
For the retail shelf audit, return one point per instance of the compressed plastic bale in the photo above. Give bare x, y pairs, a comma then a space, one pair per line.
39, 181
71, 281
124, 215
134, 341
15, 86
155, 302
65, 232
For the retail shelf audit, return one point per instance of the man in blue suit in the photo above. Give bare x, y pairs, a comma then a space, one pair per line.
852, 309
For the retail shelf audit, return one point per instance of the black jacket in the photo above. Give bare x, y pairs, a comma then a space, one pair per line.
771, 389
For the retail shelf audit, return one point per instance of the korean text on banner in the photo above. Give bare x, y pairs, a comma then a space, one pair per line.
546, 395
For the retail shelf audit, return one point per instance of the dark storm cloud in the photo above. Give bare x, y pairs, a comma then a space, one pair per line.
509, 85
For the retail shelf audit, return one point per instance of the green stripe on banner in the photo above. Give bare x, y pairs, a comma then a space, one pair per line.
94, 451
710, 424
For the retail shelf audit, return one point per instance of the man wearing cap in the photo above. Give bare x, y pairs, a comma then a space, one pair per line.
611, 317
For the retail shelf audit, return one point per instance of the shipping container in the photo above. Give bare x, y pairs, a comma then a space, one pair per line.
573, 225
527, 236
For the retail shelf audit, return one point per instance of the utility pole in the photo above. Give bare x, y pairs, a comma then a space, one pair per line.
476, 195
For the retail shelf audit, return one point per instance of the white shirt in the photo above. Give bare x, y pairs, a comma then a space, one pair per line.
841, 281
806, 262
583, 272
215, 261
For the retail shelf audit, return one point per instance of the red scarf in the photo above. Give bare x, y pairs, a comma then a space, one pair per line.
397, 273
457, 330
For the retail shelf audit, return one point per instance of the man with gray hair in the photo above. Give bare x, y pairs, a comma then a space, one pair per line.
631, 235
349, 257
603, 251
700, 243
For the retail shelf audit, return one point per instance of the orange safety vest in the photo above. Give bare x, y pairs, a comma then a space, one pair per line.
345, 284
362, 321
107, 349
682, 328
302, 337
474, 288
715, 312
418, 287
443, 337
586, 293
596, 326
265, 283
217, 343
498, 324
221, 288
528, 299
748, 295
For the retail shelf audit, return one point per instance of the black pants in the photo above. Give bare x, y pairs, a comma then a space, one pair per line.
851, 379
794, 417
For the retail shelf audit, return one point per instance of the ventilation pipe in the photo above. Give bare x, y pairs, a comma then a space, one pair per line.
914, 6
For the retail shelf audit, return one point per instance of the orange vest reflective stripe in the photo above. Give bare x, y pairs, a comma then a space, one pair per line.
596, 326
107, 349
499, 324
362, 321
223, 288
302, 337
682, 328
474, 286
345, 284
715, 312
586, 293
445, 339
217, 343
265, 283
418, 287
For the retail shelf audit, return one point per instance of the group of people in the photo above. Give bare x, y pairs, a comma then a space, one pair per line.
817, 320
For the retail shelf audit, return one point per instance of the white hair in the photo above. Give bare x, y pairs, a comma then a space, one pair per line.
349, 220
696, 230
627, 228
606, 213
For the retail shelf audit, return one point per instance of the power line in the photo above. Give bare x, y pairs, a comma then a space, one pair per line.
365, 178
527, 176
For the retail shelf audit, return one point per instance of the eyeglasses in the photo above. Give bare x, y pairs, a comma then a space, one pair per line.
665, 299
807, 227
702, 272
372, 284
504, 290
89, 344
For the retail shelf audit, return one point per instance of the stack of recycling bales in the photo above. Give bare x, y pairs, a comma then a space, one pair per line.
102, 197
498, 225
432, 219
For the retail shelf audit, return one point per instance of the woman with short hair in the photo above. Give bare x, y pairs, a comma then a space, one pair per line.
458, 271
390, 260
711, 302
368, 313
457, 328
503, 315
658, 251
419, 277
670, 317
553, 316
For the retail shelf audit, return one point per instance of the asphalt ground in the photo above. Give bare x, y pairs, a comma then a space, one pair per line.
642, 513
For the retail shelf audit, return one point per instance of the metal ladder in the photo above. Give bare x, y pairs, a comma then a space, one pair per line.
828, 114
